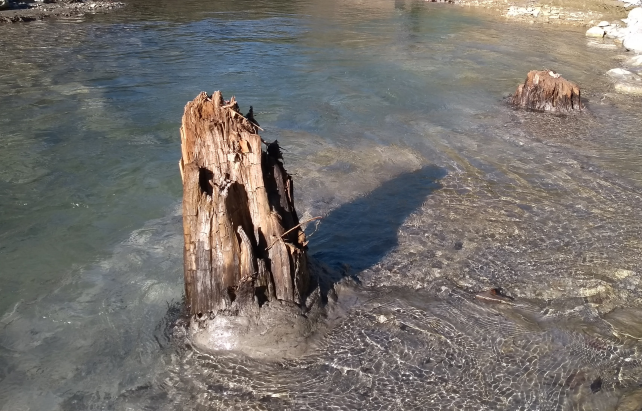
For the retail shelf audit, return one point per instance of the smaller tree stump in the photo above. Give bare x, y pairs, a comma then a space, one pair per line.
546, 90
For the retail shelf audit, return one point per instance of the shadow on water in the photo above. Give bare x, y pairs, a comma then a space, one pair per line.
359, 234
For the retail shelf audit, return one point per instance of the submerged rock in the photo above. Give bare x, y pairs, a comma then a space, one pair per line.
629, 88
622, 74
547, 91
635, 61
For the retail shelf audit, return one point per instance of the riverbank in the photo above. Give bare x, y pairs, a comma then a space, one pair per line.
613, 25
24, 11
574, 12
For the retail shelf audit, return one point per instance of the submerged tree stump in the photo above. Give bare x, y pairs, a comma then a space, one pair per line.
243, 242
547, 91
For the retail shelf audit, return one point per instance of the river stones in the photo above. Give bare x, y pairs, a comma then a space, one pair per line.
626, 322
596, 31
633, 42
546, 90
635, 61
622, 74
627, 82
634, 17
629, 88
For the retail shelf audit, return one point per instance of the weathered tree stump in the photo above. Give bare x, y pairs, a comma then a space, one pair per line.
243, 243
547, 91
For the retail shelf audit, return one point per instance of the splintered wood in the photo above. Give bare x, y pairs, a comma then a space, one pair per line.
243, 242
547, 91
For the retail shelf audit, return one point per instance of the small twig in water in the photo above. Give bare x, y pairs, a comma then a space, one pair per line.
316, 228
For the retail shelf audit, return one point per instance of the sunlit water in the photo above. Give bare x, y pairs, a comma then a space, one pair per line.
392, 119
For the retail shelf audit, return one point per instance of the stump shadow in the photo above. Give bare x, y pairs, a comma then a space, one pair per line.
358, 234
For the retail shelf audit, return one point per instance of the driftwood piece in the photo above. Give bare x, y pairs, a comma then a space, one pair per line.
547, 91
243, 242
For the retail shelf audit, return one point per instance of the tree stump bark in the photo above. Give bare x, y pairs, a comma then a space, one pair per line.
243, 243
547, 91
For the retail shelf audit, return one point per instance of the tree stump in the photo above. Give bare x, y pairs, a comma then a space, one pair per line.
243, 243
547, 91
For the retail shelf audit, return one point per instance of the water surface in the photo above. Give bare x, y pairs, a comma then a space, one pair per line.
395, 129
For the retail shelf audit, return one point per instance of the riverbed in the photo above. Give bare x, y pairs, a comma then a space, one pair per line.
393, 121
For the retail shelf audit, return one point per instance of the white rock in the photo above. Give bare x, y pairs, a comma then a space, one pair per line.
635, 61
615, 32
621, 274
633, 42
595, 32
599, 44
635, 15
629, 88
617, 72
603, 24
621, 74
512, 11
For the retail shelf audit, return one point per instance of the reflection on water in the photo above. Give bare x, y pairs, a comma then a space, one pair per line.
393, 127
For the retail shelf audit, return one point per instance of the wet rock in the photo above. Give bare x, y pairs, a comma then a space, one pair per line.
635, 61
615, 32
621, 273
546, 90
626, 322
514, 11
631, 401
595, 32
633, 42
622, 74
629, 88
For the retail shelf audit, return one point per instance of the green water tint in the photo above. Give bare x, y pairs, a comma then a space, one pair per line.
366, 100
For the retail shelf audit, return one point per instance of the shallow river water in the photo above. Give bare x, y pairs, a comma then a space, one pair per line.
392, 118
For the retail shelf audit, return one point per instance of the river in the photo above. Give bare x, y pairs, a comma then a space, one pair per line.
394, 126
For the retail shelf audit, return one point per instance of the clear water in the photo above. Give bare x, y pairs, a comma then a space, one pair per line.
395, 129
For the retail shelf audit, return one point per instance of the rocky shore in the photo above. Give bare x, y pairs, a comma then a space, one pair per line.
575, 13
22, 11
608, 28
626, 33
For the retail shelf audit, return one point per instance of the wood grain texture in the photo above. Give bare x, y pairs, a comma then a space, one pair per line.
547, 91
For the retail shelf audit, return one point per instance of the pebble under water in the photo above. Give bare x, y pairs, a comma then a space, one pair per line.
395, 129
